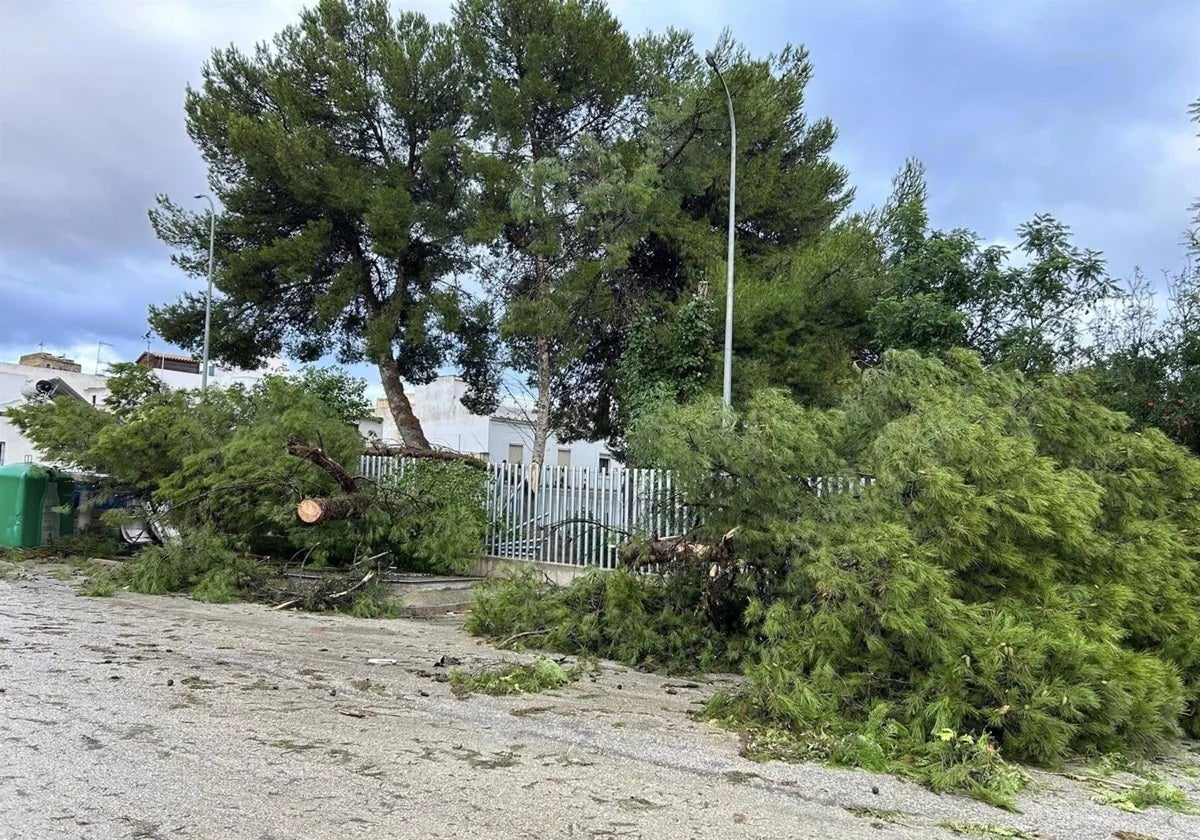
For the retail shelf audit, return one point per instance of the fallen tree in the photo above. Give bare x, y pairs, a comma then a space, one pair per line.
1023, 576
430, 515
317, 456
401, 451
313, 511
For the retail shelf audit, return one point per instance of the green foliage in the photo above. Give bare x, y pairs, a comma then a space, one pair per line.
344, 394
129, 386
944, 290
1145, 795
943, 761
671, 222
199, 562
431, 516
542, 675
375, 601
1147, 368
1021, 574
246, 486
102, 584
613, 616
335, 152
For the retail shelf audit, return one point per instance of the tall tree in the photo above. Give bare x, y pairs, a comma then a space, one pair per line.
550, 84
336, 152
945, 289
789, 195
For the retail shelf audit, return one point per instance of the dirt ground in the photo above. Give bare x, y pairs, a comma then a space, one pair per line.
147, 717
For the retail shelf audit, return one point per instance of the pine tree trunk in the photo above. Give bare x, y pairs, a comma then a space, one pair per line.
541, 431
312, 511
406, 422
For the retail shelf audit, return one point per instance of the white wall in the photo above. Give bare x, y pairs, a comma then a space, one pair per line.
93, 388
220, 377
448, 425
14, 379
504, 432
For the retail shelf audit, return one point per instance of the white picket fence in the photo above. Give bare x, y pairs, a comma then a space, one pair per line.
575, 516
578, 516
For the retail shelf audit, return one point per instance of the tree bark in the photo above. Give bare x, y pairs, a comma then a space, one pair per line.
432, 454
406, 422
541, 428
314, 454
312, 511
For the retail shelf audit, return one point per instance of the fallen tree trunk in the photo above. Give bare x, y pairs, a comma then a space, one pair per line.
659, 550
675, 550
429, 454
316, 455
312, 511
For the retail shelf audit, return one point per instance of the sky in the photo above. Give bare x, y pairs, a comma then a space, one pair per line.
1070, 107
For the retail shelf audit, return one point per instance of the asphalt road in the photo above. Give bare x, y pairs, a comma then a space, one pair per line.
144, 717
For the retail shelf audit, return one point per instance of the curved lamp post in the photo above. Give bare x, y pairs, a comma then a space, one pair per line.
727, 388
212, 238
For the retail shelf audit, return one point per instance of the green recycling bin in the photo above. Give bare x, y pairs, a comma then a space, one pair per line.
29, 495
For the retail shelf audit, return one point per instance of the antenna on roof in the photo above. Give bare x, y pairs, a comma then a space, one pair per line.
99, 344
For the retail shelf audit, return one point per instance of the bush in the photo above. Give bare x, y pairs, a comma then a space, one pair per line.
645, 623
430, 516
1023, 572
200, 563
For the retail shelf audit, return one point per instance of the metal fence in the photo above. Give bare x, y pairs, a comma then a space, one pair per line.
575, 516
578, 516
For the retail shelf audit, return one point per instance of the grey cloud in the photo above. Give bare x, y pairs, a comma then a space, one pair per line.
1015, 108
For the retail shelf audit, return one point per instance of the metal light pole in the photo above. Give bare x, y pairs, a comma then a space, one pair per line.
212, 238
727, 390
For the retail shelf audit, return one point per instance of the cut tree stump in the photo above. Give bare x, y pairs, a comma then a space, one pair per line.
312, 511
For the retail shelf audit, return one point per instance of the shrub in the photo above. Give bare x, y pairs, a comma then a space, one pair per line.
1022, 572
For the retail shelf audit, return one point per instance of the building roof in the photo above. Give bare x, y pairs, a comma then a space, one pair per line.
149, 355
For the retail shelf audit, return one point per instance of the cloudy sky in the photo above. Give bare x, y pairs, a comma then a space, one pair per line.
1065, 106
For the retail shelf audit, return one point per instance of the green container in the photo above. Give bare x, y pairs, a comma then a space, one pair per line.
28, 496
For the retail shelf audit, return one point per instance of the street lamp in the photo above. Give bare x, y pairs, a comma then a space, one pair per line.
212, 238
727, 390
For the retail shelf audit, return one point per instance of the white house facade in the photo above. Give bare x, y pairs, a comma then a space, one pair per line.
47, 376
504, 437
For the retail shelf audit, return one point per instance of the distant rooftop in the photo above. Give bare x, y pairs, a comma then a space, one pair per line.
169, 361
42, 359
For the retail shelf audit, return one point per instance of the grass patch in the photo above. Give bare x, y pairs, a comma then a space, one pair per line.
1000, 832
946, 762
1145, 790
542, 675
1147, 794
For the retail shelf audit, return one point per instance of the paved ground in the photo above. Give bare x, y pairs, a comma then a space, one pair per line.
143, 717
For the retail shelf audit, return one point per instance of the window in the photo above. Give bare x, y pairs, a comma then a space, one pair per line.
1, 453
564, 457
516, 453
605, 463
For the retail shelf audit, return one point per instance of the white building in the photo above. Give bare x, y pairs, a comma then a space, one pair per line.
183, 372
18, 382
52, 376
505, 436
